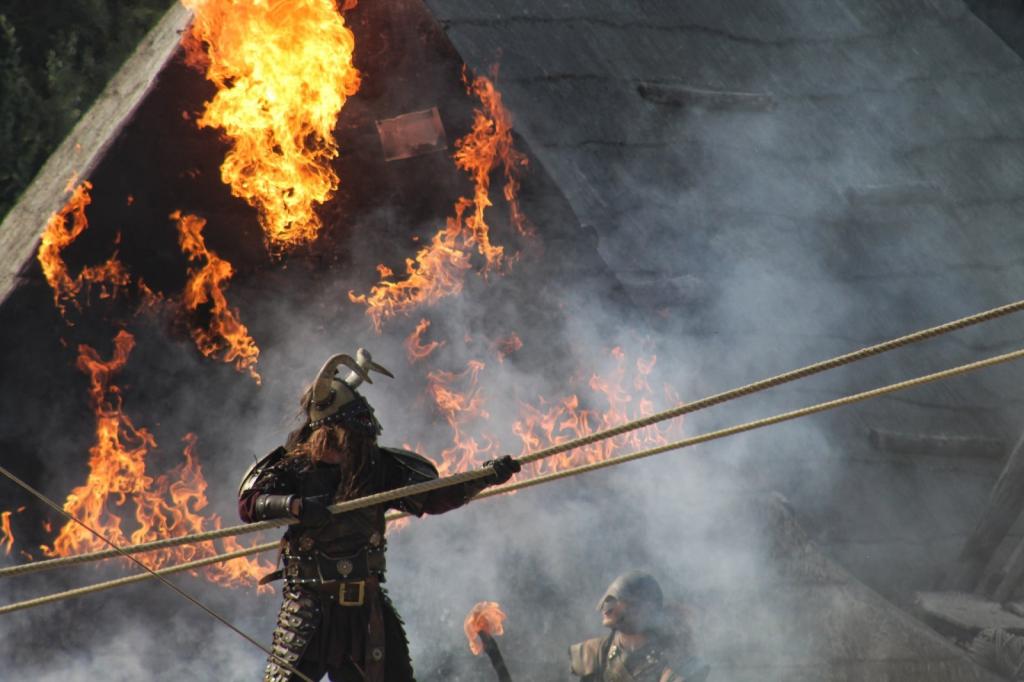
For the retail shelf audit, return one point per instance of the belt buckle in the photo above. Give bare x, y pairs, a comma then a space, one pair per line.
360, 586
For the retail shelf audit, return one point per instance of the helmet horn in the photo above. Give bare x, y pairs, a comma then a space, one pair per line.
322, 386
361, 373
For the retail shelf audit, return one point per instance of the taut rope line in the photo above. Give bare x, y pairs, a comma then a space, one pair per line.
151, 573
565, 473
677, 411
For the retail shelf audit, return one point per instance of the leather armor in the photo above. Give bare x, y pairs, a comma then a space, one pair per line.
602, 660
333, 569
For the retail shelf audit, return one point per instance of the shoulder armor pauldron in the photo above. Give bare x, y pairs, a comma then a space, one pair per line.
416, 467
257, 469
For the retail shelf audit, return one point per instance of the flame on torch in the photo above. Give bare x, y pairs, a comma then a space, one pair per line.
485, 617
283, 72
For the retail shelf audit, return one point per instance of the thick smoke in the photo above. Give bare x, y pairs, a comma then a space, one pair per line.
813, 207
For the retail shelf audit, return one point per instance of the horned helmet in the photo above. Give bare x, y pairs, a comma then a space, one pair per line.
332, 400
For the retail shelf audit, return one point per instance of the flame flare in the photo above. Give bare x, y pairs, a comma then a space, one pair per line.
488, 145
438, 270
415, 349
507, 346
6, 534
224, 333
283, 72
486, 617
62, 229
461, 409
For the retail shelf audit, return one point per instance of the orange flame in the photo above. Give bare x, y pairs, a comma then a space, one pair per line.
489, 144
554, 423
415, 349
6, 534
283, 72
625, 390
168, 505
486, 617
507, 346
57, 236
460, 410
439, 268
116, 461
225, 331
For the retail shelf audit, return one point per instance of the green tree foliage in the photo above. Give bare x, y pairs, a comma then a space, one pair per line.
55, 58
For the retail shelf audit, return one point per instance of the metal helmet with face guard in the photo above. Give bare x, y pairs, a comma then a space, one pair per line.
635, 587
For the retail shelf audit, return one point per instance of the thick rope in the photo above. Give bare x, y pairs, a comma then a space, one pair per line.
678, 411
566, 473
152, 574
99, 587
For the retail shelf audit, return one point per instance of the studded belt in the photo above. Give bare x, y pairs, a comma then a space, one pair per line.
305, 564
357, 565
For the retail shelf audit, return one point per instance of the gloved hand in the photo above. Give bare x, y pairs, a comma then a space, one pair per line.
313, 511
503, 467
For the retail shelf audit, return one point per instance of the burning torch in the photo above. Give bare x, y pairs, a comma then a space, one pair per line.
483, 623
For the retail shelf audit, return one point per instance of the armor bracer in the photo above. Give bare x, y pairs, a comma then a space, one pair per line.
272, 507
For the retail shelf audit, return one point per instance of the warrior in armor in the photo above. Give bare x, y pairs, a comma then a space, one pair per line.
648, 642
336, 618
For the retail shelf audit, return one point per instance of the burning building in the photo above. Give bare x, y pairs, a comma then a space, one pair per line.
645, 204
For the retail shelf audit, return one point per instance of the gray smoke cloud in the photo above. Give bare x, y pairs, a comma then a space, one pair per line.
831, 197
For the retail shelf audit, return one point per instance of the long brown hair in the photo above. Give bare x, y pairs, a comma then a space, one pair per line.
355, 454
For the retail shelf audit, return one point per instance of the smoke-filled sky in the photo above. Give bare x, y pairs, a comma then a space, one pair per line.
753, 186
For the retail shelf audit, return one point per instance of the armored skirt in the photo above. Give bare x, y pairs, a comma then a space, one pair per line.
317, 635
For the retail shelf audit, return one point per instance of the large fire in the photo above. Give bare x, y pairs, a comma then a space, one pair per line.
116, 462
283, 72
207, 276
63, 228
485, 617
438, 269
119, 484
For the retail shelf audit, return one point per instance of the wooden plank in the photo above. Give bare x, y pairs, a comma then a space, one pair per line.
1004, 506
963, 615
82, 149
